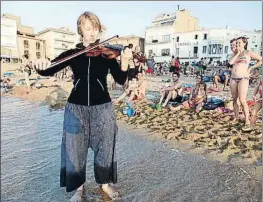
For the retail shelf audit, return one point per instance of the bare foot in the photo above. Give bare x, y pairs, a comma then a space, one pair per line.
110, 191
78, 196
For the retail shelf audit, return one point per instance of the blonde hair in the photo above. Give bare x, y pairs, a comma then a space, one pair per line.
88, 16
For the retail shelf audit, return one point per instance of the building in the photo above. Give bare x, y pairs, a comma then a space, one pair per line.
159, 36
179, 34
9, 48
212, 43
31, 45
27, 43
126, 40
58, 40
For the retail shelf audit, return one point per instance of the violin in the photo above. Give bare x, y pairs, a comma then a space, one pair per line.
141, 58
96, 49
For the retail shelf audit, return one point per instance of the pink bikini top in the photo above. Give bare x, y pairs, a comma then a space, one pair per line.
245, 59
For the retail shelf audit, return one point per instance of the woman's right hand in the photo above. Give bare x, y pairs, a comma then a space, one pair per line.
41, 64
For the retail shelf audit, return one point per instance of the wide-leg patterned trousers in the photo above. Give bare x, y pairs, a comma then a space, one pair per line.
84, 127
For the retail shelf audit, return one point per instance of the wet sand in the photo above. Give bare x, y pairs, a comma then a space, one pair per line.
147, 170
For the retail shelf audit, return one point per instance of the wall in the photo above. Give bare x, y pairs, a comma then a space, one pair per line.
9, 37
184, 22
31, 49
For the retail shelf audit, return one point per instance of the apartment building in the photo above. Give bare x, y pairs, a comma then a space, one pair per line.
58, 40
9, 49
126, 40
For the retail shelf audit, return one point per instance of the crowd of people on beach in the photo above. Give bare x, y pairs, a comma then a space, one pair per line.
238, 74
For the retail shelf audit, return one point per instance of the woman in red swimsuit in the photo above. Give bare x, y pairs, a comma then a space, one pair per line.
240, 75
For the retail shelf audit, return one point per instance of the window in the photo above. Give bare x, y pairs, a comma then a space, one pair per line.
177, 39
165, 52
215, 49
196, 36
177, 51
64, 46
205, 36
204, 49
195, 51
254, 39
37, 45
256, 45
26, 45
166, 38
150, 52
26, 52
38, 54
226, 49
63, 36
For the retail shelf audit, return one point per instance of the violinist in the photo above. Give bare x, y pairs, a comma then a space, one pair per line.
89, 119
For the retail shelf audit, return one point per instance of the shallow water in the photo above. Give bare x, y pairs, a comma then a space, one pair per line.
148, 170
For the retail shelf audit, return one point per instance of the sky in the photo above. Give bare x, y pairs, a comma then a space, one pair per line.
132, 17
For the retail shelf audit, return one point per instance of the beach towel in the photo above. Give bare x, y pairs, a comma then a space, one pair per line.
213, 103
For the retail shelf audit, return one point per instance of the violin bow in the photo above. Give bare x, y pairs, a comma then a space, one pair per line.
81, 52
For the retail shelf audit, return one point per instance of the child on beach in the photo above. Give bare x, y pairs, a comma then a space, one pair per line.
197, 99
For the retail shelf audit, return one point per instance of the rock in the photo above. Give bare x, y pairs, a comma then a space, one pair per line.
57, 98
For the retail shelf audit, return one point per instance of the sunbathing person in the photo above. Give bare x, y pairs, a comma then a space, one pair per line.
257, 107
136, 90
197, 99
173, 92
222, 77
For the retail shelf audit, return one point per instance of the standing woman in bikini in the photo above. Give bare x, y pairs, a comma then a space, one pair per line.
240, 76
89, 119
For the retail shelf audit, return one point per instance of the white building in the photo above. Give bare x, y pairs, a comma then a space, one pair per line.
9, 48
212, 43
158, 37
58, 40
179, 34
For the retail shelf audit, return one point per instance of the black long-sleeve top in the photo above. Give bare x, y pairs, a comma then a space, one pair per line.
90, 76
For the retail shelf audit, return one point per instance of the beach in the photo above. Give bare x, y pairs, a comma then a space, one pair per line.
209, 133
148, 169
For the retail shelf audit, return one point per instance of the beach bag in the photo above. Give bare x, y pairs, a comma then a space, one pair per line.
213, 103
130, 112
207, 79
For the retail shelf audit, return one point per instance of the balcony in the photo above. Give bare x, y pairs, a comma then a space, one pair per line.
157, 42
